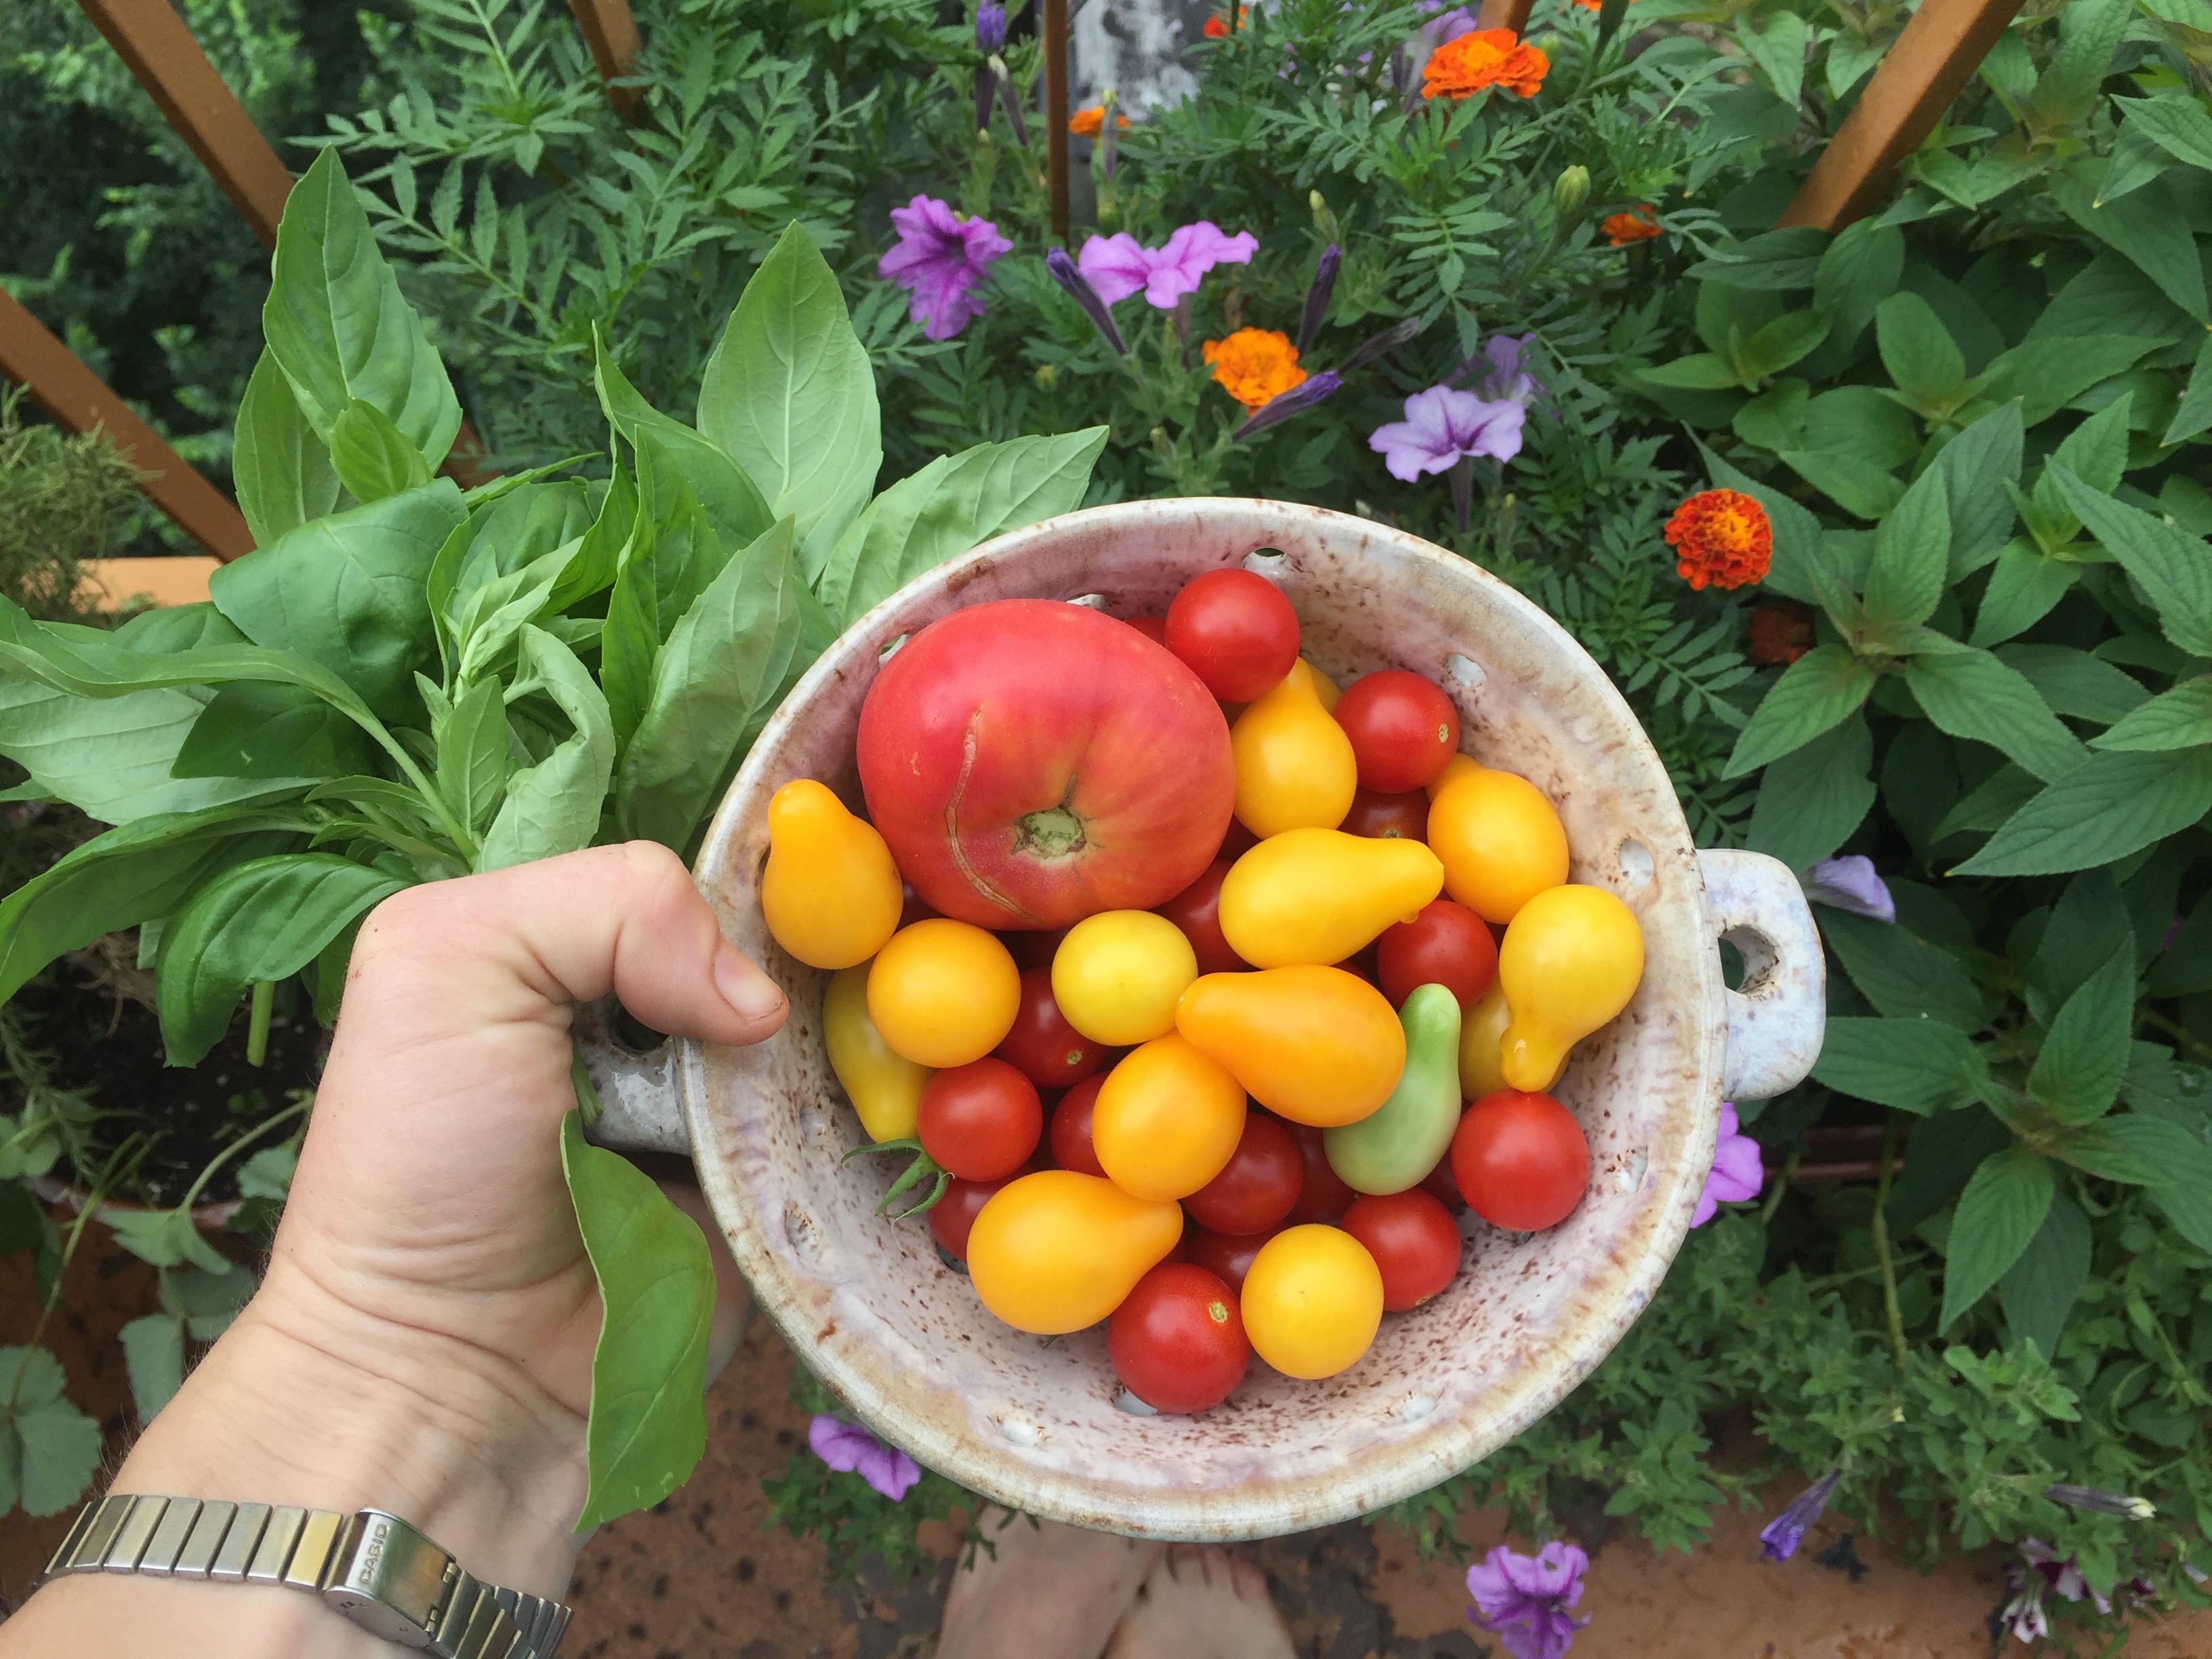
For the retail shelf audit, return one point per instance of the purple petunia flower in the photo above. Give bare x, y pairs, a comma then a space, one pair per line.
1779, 1538
990, 27
1441, 426
939, 258
2041, 1573
1284, 405
1118, 265
849, 1448
1737, 1173
1507, 380
1523, 1599
1850, 884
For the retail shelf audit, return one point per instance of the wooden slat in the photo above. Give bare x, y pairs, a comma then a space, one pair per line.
74, 396
1505, 15
161, 53
1056, 113
610, 31
110, 583
1940, 48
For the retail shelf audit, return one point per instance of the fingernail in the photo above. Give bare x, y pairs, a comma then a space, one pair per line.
744, 987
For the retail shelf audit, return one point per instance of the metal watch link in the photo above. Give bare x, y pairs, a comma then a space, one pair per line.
370, 1566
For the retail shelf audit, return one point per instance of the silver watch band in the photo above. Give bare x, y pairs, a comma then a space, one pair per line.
372, 1567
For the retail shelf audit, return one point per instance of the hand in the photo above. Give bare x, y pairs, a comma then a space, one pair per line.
422, 1340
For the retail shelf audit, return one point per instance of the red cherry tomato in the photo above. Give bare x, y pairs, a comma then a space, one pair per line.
1439, 1185
1447, 944
953, 1215
981, 1120
1236, 632
1042, 1046
1225, 1254
1197, 911
1521, 1159
1322, 1196
1236, 844
1403, 730
1259, 1185
1071, 1129
1413, 1240
1154, 629
1177, 1341
1375, 814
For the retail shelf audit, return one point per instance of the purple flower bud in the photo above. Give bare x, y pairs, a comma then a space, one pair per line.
1850, 884
1009, 102
2127, 1507
1382, 345
1318, 296
990, 27
1779, 1538
1300, 397
1063, 272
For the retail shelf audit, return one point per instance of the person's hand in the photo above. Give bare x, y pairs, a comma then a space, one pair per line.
422, 1341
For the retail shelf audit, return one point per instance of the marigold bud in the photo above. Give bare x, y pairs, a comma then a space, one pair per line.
1324, 220
1572, 189
1047, 377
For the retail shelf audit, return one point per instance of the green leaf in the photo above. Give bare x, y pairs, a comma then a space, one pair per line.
338, 326
2149, 228
668, 450
349, 592
263, 920
2072, 681
1917, 1065
1912, 553
1859, 487
2179, 718
2176, 123
647, 1428
599, 554
555, 806
49, 1449
1976, 466
789, 395
254, 729
1998, 1216
1820, 689
1792, 336
2184, 1193
1779, 50
2095, 452
723, 658
2023, 589
1700, 372
2046, 375
2039, 1291
2088, 924
1971, 694
129, 875
954, 503
167, 1238
373, 457
281, 468
154, 1355
2194, 412
1812, 799
1940, 1157
2111, 805
2139, 1151
1924, 362
1776, 419
2067, 90
1860, 270
2172, 567
1902, 975
2077, 1075
1783, 260
472, 753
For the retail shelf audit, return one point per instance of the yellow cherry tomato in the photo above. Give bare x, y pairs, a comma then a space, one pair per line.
1117, 974
830, 892
1057, 1251
1569, 963
1167, 1119
1316, 896
1458, 767
1312, 1301
1294, 765
1316, 1045
1482, 1044
944, 993
883, 1085
1501, 842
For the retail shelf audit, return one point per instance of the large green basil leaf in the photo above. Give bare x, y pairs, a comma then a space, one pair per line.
554, 806
789, 394
253, 729
282, 469
1998, 1215
647, 1427
668, 450
129, 875
349, 591
951, 505
373, 457
338, 326
111, 757
472, 753
722, 659
263, 920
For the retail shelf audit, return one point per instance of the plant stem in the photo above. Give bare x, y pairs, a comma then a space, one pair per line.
2179, 1033
236, 1146
256, 1030
1881, 1243
1781, 1186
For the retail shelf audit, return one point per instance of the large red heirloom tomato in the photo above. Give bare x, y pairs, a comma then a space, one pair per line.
1031, 762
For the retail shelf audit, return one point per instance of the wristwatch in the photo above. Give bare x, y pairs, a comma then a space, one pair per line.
372, 1567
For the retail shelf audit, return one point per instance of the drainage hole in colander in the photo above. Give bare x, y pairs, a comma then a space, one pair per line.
1636, 866
1464, 670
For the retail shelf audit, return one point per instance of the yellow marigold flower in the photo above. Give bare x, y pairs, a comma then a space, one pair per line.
1637, 225
1256, 365
1087, 123
1487, 58
1722, 538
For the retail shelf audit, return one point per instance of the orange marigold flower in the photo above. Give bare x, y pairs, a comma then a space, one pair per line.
1256, 365
1217, 27
1722, 538
1781, 632
1087, 123
1638, 224
1487, 58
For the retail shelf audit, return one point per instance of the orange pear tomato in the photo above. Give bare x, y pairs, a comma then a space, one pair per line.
830, 893
1316, 1045
1057, 1251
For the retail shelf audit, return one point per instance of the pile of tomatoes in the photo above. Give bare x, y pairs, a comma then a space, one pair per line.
1120, 881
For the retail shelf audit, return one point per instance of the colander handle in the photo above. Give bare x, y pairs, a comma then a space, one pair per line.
638, 1108
1775, 1023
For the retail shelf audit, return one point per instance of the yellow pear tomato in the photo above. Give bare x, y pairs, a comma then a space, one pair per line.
830, 892
1316, 896
1057, 1251
1295, 769
883, 1085
1569, 963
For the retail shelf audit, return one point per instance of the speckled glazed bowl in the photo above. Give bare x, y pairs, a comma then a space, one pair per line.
868, 1306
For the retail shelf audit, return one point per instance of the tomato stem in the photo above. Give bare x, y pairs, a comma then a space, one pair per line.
919, 1170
